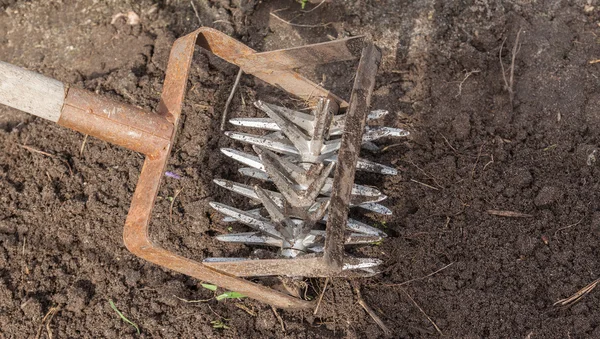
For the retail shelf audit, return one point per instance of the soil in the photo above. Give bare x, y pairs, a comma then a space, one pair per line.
474, 147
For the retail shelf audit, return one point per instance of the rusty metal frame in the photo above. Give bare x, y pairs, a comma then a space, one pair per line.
154, 134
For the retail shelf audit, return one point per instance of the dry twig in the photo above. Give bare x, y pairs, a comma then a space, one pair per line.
509, 214
578, 295
321, 296
370, 311
235, 86
279, 318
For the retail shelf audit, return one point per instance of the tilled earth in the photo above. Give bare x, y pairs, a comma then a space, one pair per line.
524, 142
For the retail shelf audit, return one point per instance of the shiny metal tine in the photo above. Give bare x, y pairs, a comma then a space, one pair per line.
283, 224
286, 183
248, 191
337, 126
289, 170
369, 166
303, 120
315, 188
369, 146
361, 239
245, 158
330, 147
298, 138
374, 133
250, 238
375, 207
360, 227
361, 263
254, 173
275, 145
257, 222
255, 211
261, 123
377, 114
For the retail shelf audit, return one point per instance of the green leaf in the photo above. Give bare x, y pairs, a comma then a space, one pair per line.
230, 295
112, 304
210, 287
219, 324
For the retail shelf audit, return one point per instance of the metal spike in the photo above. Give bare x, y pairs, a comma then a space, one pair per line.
244, 158
250, 238
248, 191
257, 222
303, 120
277, 146
374, 133
369, 166
361, 227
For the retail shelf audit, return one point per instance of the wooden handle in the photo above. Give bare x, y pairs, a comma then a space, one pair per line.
31, 92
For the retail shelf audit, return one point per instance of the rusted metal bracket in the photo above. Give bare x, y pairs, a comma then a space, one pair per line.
273, 68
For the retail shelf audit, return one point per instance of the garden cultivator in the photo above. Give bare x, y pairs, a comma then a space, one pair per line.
302, 176
310, 159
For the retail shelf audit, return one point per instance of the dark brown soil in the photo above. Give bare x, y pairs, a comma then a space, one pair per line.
472, 150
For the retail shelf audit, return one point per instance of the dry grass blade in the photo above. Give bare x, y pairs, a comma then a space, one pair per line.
421, 278
568, 226
193, 301
173, 203
46, 321
83, 145
578, 295
370, 311
509, 214
298, 25
33, 150
424, 184
196, 12
463, 81
245, 309
425, 314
